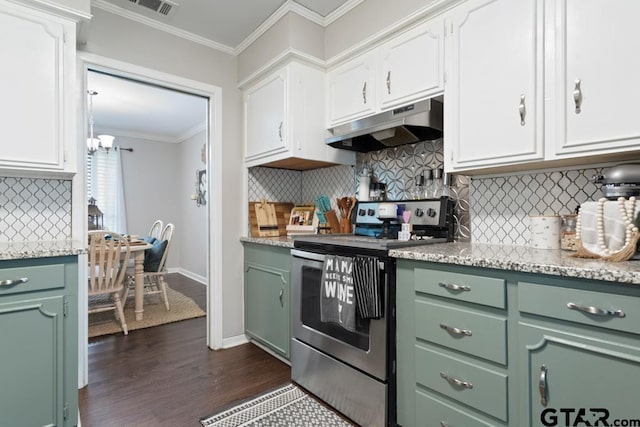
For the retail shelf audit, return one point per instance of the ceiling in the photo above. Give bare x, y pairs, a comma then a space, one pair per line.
127, 108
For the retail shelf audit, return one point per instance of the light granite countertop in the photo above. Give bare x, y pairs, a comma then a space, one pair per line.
40, 249
523, 259
282, 241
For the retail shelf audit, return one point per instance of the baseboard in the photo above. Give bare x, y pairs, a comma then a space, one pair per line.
193, 276
234, 341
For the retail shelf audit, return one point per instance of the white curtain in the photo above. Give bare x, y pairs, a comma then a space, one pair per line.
107, 187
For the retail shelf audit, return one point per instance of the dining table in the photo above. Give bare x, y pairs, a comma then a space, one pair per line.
137, 248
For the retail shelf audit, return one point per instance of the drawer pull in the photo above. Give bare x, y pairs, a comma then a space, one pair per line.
14, 281
595, 310
280, 297
455, 381
542, 385
455, 331
454, 287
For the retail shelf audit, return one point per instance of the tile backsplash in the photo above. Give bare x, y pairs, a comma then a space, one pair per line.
34, 209
500, 206
489, 209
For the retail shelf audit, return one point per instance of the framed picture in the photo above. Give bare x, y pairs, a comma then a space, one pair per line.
201, 186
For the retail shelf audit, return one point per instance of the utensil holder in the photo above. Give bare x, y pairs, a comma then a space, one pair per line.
345, 226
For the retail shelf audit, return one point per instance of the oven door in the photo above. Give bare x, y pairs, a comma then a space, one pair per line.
365, 349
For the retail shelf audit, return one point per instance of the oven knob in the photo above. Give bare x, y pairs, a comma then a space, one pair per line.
371, 212
361, 212
431, 212
419, 212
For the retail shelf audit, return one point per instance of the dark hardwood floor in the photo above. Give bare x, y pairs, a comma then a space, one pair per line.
166, 376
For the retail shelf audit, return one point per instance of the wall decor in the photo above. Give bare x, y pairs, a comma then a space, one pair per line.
200, 195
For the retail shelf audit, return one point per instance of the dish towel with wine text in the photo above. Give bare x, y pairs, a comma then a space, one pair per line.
337, 301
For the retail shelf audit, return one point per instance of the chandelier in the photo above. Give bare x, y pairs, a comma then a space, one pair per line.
102, 142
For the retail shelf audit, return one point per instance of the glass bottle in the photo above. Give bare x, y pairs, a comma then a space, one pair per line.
568, 241
418, 187
437, 183
428, 184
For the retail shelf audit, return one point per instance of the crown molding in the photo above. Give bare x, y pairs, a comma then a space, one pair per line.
284, 56
122, 133
191, 132
342, 10
297, 8
117, 10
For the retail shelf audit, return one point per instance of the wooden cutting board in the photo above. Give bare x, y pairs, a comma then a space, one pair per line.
267, 219
283, 213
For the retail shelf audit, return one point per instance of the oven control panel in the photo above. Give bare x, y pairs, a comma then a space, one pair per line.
426, 212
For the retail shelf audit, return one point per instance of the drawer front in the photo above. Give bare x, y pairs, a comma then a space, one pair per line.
462, 287
478, 334
433, 412
38, 278
587, 307
486, 390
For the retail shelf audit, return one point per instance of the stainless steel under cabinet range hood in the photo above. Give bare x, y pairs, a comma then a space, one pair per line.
421, 121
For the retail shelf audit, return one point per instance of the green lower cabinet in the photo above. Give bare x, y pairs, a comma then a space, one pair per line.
563, 352
574, 379
38, 343
266, 296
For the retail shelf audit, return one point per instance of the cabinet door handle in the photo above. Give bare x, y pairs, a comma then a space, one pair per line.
577, 96
280, 297
389, 82
454, 287
595, 310
455, 331
522, 109
280, 131
11, 282
542, 385
455, 381
364, 92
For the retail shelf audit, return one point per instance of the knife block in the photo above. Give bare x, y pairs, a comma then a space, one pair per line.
332, 220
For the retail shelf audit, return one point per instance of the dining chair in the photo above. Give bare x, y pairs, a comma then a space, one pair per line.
108, 257
154, 267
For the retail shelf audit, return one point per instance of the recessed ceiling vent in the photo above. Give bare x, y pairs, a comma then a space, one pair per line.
162, 7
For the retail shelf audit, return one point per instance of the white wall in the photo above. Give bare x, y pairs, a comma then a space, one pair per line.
192, 236
152, 187
118, 38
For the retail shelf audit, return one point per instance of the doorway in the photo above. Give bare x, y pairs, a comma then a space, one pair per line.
210, 167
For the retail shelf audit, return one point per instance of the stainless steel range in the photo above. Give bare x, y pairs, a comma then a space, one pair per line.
353, 370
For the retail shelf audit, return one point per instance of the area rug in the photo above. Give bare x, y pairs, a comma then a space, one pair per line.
287, 406
155, 313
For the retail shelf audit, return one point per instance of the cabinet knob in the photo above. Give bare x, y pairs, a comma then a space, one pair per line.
454, 287
522, 110
577, 96
595, 310
11, 282
389, 82
455, 331
542, 385
455, 381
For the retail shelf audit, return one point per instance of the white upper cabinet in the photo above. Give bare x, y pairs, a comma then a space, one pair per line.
407, 68
265, 117
412, 65
493, 94
351, 90
37, 83
596, 79
284, 121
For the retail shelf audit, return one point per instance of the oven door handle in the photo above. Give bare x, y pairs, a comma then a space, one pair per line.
307, 255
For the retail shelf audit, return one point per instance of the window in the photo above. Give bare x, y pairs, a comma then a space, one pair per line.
104, 183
